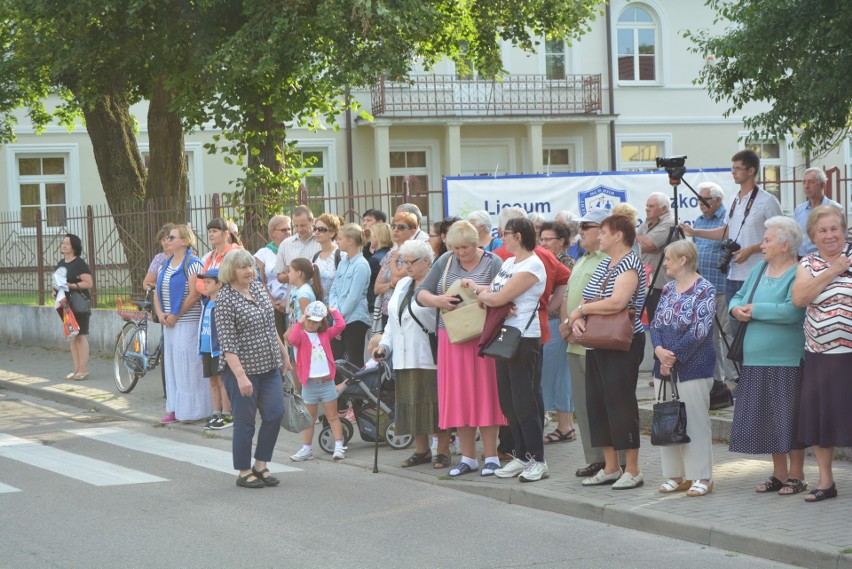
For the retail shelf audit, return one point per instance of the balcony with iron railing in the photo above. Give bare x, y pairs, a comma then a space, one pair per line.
422, 96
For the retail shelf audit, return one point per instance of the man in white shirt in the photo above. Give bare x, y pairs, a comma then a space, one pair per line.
302, 244
744, 222
814, 184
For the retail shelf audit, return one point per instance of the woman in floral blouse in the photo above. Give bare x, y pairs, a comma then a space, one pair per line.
254, 357
682, 334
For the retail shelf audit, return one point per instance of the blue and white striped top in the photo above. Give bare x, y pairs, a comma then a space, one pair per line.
630, 262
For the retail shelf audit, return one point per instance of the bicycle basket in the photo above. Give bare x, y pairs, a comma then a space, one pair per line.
128, 310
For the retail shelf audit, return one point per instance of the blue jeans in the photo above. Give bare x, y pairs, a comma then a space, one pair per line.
731, 290
267, 397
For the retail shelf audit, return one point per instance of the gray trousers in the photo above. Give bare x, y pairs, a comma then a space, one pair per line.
577, 368
725, 370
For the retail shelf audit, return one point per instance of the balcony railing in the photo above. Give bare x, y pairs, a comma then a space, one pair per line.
514, 95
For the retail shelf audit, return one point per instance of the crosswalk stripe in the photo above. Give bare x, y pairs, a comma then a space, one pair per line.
90, 470
198, 455
5, 488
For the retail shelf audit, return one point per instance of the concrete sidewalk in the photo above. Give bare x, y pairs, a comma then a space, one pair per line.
733, 517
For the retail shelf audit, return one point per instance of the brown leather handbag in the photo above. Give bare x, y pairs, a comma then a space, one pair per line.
609, 331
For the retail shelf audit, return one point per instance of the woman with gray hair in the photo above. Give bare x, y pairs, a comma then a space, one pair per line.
467, 384
481, 220
406, 340
254, 356
766, 416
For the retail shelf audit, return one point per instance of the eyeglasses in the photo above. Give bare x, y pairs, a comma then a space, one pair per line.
585, 226
738, 168
507, 232
320, 229
434, 235
401, 227
549, 239
172, 237
283, 229
409, 263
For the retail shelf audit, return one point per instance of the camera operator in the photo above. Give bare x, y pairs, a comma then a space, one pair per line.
743, 231
652, 237
709, 253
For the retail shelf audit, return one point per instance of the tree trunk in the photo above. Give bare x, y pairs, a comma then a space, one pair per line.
168, 182
123, 176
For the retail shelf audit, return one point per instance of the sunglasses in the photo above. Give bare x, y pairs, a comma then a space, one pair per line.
586, 226
172, 237
320, 229
400, 226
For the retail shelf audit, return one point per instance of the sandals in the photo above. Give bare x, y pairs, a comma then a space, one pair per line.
441, 462
244, 482
700, 488
266, 477
558, 436
417, 458
796, 486
819, 494
81, 376
70, 376
772, 484
461, 469
670, 486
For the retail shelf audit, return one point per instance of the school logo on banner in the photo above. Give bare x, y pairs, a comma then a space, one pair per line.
600, 197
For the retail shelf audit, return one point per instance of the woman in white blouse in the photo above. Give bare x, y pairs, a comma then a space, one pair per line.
406, 340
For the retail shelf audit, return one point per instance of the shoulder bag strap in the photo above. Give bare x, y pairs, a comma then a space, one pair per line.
444, 276
757, 282
534, 312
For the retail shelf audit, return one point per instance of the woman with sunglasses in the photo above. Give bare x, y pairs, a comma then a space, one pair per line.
328, 258
403, 228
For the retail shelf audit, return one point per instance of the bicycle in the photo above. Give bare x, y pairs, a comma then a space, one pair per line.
131, 357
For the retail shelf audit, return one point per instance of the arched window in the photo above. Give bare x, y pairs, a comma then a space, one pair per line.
637, 45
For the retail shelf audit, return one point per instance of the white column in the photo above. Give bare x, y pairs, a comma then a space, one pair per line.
453, 150
534, 146
601, 162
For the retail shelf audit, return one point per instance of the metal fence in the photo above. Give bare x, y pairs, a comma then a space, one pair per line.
119, 256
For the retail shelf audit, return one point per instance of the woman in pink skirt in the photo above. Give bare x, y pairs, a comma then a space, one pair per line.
467, 383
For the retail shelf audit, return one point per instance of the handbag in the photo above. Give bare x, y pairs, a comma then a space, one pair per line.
610, 331
468, 318
668, 427
79, 303
296, 418
735, 350
505, 345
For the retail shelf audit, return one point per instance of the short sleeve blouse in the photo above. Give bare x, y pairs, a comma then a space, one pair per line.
630, 262
828, 318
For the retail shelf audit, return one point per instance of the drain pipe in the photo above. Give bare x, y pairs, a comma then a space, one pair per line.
610, 81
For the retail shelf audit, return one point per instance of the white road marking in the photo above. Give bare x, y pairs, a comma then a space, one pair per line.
79, 467
5, 488
198, 455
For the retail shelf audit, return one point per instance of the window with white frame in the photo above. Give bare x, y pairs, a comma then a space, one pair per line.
316, 176
770, 165
41, 183
467, 71
555, 59
410, 167
637, 45
640, 154
558, 159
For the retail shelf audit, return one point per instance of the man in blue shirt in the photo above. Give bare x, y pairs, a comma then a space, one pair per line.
814, 184
709, 252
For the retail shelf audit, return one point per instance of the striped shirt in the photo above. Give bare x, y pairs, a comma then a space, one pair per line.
630, 262
193, 313
828, 319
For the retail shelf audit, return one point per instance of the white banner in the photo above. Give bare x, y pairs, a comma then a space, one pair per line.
548, 195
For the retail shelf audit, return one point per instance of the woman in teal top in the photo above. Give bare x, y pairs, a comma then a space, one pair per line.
766, 416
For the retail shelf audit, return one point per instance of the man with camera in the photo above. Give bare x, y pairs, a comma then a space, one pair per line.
742, 233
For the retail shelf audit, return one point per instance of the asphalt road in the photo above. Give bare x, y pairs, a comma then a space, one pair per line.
81, 490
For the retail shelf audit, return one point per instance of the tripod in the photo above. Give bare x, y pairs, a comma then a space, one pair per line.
675, 233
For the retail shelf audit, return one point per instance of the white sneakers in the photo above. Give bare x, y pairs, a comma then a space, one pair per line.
534, 471
512, 469
303, 455
339, 453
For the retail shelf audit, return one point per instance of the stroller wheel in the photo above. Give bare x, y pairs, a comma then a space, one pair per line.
395, 441
326, 440
348, 430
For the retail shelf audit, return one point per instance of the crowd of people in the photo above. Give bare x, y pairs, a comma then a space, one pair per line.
435, 303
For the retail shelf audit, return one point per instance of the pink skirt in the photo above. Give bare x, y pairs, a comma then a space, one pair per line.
467, 386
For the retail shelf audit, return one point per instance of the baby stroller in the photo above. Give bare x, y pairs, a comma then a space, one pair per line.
373, 416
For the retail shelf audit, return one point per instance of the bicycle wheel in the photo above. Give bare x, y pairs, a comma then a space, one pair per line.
128, 345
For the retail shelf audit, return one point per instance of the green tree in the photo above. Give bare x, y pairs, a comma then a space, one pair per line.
794, 55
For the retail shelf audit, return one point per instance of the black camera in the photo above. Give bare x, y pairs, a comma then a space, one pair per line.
671, 162
728, 247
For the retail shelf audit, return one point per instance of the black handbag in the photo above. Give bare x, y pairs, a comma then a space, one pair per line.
505, 345
79, 303
735, 350
668, 427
